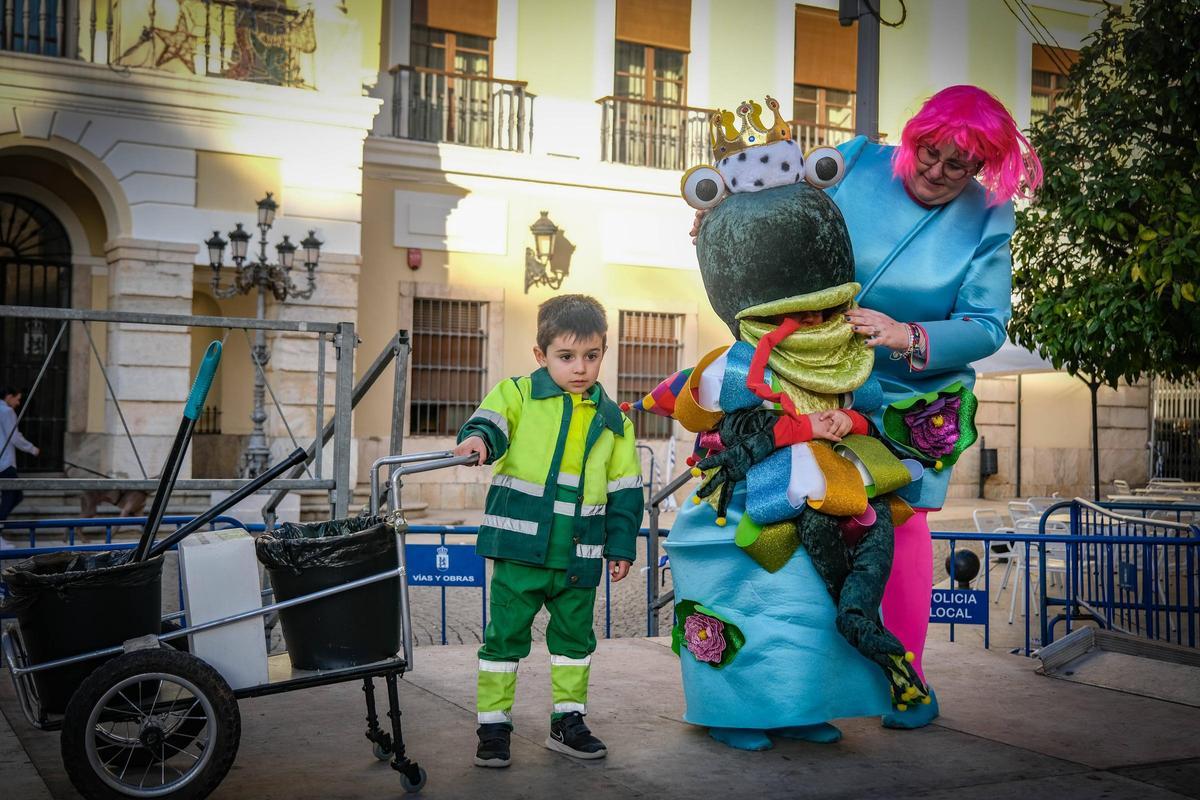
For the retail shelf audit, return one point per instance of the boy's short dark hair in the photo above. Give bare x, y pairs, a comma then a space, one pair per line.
577, 314
11, 390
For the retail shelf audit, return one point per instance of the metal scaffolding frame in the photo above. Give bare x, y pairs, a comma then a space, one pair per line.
340, 334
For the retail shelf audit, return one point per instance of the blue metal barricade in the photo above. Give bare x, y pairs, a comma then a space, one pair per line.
68, 530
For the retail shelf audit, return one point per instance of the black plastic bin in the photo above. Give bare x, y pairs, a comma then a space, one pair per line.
347, 629
68, 604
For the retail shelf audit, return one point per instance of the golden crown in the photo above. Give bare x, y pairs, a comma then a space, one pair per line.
728, 139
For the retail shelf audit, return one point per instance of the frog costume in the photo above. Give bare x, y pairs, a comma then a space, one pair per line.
789, 519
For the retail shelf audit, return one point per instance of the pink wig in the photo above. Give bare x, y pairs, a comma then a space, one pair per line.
981, 128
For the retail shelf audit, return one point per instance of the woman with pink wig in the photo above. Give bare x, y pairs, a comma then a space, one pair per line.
930, 222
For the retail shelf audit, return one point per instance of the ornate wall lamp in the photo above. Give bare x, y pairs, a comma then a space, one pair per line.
539, 271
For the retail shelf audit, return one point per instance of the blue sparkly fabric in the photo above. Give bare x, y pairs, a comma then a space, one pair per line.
795, 668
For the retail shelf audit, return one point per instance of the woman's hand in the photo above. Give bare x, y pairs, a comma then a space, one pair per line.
695, 232
879, 328
618, 570
473, 444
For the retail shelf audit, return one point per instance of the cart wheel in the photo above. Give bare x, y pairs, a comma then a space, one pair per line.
151, 723
382, 752
413, 779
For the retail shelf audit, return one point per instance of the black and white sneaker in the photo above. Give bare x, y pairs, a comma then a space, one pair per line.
493, 750
570, 735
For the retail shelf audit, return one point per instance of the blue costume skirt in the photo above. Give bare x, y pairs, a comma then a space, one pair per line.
794, 668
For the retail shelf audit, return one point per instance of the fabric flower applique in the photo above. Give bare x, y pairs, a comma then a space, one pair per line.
934, 428
705, 638
711, 638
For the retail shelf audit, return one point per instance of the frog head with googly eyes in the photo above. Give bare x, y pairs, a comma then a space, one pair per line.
772, 240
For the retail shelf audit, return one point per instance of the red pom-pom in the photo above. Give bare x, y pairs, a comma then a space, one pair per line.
692, 461
625, 407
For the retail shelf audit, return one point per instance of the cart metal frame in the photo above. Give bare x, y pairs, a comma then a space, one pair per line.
386, 744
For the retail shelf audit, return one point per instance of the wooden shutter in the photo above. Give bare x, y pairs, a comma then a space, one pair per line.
826, 53
658, 23
473, 17
1048, 59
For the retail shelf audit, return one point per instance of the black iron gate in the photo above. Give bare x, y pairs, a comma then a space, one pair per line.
1175, 438
35, 270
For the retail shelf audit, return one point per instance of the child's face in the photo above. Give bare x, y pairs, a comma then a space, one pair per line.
805, 319
573, 363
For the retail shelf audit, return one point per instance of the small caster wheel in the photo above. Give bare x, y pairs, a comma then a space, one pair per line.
382, 752
413, 779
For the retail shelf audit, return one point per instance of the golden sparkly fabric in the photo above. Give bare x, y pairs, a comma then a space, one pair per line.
901, 511
775, 545
691, 415
885, 469
845, 495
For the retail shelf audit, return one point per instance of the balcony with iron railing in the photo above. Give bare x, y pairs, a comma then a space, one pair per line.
809, 135
643, 133
261, 41
430, 105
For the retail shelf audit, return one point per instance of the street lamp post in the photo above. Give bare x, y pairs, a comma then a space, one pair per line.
275, 279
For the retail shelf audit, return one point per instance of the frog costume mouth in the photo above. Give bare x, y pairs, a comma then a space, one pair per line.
816, 363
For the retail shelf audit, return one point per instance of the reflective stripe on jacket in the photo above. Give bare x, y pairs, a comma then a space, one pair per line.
525, 422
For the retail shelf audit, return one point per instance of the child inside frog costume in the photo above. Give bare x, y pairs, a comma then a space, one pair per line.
799, 512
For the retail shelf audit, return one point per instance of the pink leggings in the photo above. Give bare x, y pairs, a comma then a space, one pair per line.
909, 588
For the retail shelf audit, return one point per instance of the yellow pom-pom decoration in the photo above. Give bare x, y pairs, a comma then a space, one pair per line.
696, 472
696, 499
910, 657
926, 700
721, 522
938, 465
901, 707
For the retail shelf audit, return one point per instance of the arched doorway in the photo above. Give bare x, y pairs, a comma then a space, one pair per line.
35, 270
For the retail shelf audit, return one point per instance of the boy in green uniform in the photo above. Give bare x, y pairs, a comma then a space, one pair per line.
566, 494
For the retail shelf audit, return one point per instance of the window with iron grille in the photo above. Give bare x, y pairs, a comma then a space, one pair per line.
649, 347
449, 364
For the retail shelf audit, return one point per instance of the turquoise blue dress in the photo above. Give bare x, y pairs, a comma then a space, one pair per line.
948, 268
795, 668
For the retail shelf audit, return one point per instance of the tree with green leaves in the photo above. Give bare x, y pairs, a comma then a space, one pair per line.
1107, 259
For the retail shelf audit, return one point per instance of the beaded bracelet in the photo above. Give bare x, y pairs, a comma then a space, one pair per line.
916, 344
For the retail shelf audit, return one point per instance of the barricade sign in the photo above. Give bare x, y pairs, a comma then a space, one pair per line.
445, 565
959, 606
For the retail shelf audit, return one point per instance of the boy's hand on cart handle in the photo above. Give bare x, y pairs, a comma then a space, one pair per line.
473, 444
618, 570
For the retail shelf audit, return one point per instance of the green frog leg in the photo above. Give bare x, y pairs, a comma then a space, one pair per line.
858, 609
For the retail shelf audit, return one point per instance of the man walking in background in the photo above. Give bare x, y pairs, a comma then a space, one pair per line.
11, 440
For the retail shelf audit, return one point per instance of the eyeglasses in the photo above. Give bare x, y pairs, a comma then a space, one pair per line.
951, 168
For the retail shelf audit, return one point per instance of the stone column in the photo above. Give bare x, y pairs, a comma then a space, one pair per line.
149, 365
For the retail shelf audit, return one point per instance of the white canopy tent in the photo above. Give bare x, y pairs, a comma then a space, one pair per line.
1011, 359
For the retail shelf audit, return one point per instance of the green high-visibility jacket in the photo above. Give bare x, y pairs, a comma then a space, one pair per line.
525, 422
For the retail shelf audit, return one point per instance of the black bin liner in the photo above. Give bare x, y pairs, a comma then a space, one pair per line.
68, 604
347, 629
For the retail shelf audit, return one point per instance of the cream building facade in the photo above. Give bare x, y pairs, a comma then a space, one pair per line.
421, 139
138, 128
621, 90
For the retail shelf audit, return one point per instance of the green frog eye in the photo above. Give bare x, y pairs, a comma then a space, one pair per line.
823, 167
702, 187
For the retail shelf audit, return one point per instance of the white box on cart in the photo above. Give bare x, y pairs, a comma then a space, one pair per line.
220, 578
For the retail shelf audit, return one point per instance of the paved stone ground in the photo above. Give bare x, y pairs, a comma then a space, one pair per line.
1004, 732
